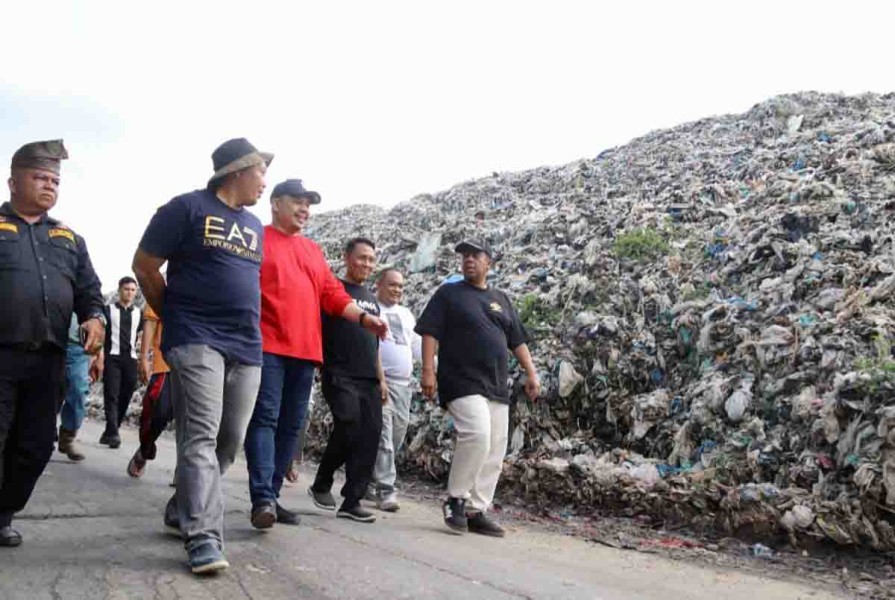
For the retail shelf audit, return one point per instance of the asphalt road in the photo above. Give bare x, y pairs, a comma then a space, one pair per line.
93, 532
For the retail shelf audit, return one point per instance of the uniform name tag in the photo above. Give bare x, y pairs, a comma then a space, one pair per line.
9, 227
63, 233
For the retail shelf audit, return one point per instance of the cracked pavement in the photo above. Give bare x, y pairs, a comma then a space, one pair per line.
92, 532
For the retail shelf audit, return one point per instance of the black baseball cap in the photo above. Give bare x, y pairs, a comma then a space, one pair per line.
475, 245
296, 189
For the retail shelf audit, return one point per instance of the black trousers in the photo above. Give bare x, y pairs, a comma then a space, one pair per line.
119, 382
32, 386
356, 405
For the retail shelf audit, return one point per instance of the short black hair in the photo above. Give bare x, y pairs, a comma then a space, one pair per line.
386, 271
355, 242
125, 280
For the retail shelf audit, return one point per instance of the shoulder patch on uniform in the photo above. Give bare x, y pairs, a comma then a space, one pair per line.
63, 232
4, 226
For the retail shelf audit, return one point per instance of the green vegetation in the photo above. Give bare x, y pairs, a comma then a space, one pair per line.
640, 244
881, 367
535, 313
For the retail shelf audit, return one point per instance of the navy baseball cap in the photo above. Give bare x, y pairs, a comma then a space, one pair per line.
475, 245
296, 189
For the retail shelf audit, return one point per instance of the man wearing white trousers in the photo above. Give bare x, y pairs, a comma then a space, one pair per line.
472, 326
398, 351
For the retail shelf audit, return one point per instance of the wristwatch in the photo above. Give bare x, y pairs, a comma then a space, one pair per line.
99, 316
360, 319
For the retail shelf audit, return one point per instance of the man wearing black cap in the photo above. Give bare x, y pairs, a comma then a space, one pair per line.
211, 307
472, 325
45, 275
296, 286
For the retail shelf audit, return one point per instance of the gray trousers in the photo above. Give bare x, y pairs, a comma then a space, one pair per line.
213, 402
395, 417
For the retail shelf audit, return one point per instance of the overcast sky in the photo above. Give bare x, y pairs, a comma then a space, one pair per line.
373, 102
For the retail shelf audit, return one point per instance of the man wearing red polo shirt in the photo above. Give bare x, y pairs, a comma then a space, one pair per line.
296, 285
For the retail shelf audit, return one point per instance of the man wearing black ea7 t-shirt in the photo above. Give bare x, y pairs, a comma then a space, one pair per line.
354, 388
472, 326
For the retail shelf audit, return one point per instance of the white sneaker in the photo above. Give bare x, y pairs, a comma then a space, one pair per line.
389, 502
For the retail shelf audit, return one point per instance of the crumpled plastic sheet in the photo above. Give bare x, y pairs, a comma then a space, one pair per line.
738, 379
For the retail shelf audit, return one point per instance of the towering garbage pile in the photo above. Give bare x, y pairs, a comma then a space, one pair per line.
712, 314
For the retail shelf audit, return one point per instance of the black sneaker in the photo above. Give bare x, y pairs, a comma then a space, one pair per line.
9, 537
356, 513
322, 500
264, 516
455, 514
479, 522
114, 442
284, 515
172, 519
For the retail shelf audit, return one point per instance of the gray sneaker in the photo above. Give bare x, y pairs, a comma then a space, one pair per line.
372, 494
389, 502
322, 500
207, 558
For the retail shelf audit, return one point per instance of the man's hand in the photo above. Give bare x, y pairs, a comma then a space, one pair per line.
427, 381
94, 336
96, 366
375, 325
144, 369
532, 386
383, 391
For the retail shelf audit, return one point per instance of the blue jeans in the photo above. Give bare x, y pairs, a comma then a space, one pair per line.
279, 416
77, 380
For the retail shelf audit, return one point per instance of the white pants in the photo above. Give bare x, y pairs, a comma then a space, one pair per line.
482, 430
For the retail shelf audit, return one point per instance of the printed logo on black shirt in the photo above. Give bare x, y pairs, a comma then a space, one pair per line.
231, 237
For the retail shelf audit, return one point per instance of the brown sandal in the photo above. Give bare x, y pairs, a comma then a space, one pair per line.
137, 465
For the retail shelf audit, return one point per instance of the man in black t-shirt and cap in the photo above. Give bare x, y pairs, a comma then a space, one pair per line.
472, 325
354, 388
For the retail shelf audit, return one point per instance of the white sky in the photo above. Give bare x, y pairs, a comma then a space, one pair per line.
374, 102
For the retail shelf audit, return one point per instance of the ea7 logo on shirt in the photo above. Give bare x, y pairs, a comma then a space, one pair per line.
495, 307
241, 241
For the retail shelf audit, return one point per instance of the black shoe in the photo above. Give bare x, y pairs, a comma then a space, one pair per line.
479, 522
172, 519
112, 440
322, 500
264, 516
9, 537
455, 514
284, 515
356, 513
